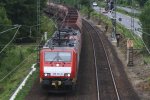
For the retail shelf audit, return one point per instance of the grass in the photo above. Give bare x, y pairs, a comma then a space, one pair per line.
14, 58
101, 4
25, 90
146, 58
20, 58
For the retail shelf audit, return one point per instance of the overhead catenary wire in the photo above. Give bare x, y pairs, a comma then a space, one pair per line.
22, 26
4, 25
10, 40
132, 27
8, 74
8, 30
132, 23
10, 45
144, 32
30, 28
145, 45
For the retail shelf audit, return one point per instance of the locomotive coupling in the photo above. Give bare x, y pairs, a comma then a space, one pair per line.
56, 83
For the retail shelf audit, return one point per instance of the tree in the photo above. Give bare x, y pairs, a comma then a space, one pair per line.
145, 20
141, 2
23, 12
4, 21
5, 37
87, 3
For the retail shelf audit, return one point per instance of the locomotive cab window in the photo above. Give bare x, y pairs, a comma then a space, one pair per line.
57, 56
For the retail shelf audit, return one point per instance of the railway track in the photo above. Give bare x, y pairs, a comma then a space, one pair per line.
106, 86
86, 83
95, 78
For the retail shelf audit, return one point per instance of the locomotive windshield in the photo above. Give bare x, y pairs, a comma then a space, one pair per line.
58, 56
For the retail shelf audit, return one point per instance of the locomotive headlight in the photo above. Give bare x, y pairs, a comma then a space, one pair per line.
45, 74
67, 74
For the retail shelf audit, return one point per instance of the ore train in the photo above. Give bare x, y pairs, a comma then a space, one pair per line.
59, 57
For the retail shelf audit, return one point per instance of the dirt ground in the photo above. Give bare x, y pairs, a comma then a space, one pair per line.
139, 74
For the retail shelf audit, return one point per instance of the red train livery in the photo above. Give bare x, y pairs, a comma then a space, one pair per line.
59, 57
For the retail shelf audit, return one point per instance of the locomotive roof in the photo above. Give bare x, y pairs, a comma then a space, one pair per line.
63, 38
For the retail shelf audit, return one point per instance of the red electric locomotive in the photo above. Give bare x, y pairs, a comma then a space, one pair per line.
59, 57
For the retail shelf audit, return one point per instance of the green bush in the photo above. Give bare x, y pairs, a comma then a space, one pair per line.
145, 20
48, 25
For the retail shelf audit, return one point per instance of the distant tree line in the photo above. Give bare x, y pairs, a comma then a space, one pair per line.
145, 21
20, 12
132, 2
4, 37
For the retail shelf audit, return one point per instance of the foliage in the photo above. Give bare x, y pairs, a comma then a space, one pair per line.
73, 3
69, 2
23, 12
4, 37
47, 25
102, 4
25, 90
13, 57
84, 10
18, 58
124, 2
128, 3
141, 2
85, 2
14, 60
145, 19
3, 17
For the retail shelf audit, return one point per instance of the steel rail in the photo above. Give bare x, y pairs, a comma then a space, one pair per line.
110, 69
95, 63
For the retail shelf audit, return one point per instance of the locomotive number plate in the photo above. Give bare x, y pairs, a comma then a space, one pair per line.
57, 74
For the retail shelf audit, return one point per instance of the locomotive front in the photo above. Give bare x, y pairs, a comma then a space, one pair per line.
57, 68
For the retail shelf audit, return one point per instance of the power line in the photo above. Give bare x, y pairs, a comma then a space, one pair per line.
144, 32
8, 30
8, 25
143, 41
14, 68
10, 40
145, 46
